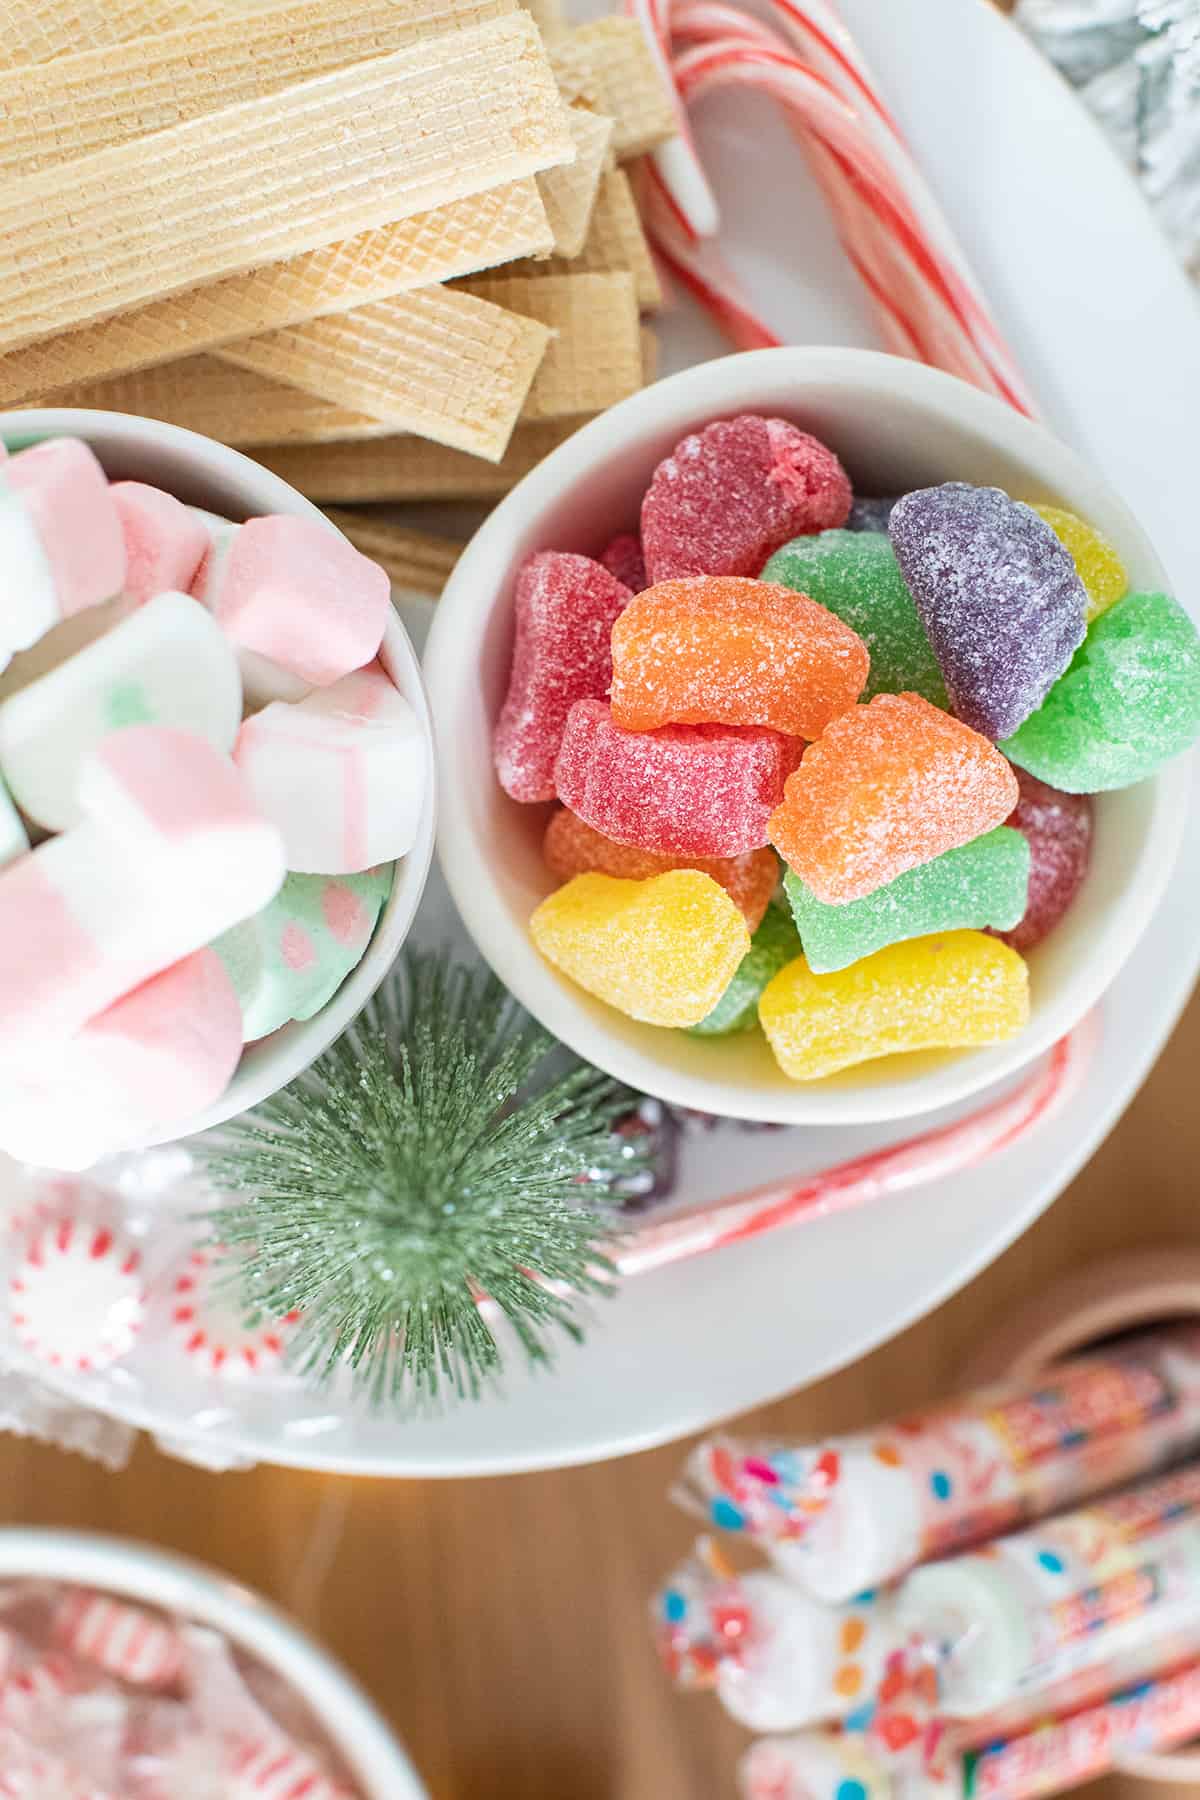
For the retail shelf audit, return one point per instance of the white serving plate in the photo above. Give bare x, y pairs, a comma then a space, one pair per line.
1108, 331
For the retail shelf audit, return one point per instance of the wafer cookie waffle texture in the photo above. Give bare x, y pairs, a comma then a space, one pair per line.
615, 241
569, 193
446, 364
476, 232
34, 31
611, 59
594, 357
86, 102
407, 468
364, 146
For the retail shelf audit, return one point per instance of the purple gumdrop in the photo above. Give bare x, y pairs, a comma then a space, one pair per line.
997, 594
871, 512
650, 1136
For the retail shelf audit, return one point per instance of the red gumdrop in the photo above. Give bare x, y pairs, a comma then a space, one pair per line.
623, 558
566, 607
1059, 829
731, 495
687, 790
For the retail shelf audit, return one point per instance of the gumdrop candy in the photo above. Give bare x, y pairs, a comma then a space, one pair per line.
856, 575
648, 1135
722, 650
773, 945
572, 847
289, 959
953, 991
623, 558
565, 609
687, 790
1129, 702
982, 883
1096, 562
662, 950
871, 512
729, 495
888, 786
1058, 830
996, 592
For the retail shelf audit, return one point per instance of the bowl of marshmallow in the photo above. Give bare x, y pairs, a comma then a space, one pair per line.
216, 784
812, 730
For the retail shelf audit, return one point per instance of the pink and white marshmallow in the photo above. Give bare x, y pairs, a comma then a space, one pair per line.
14, 839
168, 663
342, 773
61, 545
295, 593
171, 853
165, 542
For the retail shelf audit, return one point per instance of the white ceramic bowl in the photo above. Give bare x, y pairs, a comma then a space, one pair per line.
206, 474
134, 1571
896, 425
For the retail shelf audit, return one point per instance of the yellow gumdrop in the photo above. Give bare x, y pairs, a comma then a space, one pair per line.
662, 950
930, 993
1096, 562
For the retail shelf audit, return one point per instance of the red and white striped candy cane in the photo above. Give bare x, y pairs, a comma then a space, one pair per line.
126, 1641
895, 236
279, 1771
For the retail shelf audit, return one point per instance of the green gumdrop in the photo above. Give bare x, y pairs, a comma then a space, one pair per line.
1129, 701
979, 884
773, 945
855, 574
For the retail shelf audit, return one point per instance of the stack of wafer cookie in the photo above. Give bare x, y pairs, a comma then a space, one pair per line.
385, 245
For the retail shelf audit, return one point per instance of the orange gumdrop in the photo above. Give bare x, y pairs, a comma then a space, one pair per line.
888, 786
722, 650
572, 847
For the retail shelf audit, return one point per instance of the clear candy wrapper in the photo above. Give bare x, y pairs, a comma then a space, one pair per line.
103, 1699
844, 1515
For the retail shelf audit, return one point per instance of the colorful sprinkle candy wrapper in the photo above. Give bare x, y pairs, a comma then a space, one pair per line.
843, 1516
1053, 1753
776, 1659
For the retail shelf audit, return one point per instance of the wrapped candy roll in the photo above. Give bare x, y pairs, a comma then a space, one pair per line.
845, 1515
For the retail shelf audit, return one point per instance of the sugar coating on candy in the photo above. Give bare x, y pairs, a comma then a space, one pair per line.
997, 594
662, 950
292, 957
982, 883
729, 495
871, 512
1058, 830
773, 945
687, 790
623, 558
855, 574
724, 650
566, 607
573, 847
889, 786
1129, 702
1096, 562
945, 992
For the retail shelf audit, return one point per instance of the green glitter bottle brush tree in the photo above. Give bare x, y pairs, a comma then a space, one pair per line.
435, 1157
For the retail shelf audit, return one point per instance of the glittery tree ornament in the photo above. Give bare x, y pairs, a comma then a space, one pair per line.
430, 1161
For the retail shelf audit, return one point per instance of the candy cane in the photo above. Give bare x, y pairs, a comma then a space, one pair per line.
946, 1150
677, 161
893, 232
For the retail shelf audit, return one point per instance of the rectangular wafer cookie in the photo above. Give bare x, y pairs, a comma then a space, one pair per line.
569, 193
612, 57
270, 178
551, 18
476, 232
594, 357
220, 401
445, 364
417, 560
99, 97
615, 241
34, 31
408, 468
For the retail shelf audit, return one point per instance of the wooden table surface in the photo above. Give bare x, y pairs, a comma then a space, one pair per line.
501, 1624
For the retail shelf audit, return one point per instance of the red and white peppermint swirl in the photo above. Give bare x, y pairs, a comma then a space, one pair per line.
126, 1641
279, 1771
208, 1327
77, 1299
